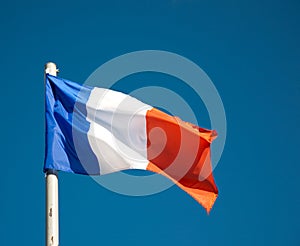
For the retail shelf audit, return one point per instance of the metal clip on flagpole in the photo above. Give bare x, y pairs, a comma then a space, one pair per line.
52, 231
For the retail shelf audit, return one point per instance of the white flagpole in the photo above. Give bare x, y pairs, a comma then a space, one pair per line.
52, 231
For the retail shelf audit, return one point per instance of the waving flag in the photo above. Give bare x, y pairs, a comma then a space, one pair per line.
95, 131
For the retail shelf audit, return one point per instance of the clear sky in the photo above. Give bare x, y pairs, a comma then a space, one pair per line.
250, 49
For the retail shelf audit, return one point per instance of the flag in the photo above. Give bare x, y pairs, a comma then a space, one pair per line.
95, 131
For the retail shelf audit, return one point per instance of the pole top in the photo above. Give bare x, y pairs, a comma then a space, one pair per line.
51, 68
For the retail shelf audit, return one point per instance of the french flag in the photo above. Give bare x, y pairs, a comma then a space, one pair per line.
96, 131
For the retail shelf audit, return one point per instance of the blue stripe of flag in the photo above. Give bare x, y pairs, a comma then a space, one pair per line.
66, 117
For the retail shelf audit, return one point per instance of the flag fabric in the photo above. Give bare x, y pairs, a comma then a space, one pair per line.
95, 131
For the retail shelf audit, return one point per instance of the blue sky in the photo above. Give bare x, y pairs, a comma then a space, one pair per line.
251, 52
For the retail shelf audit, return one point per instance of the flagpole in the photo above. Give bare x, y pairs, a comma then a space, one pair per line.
52, 227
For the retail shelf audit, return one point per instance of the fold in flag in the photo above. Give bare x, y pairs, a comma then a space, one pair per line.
97, 131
